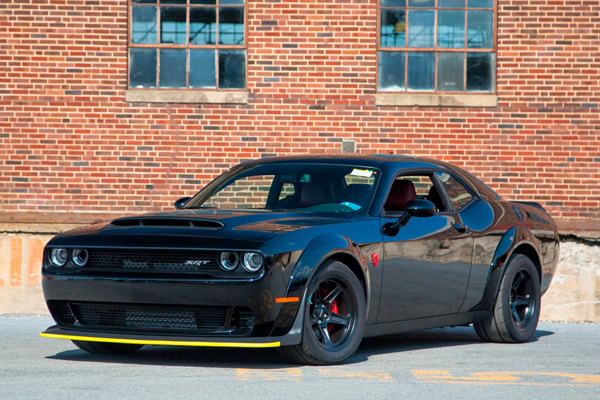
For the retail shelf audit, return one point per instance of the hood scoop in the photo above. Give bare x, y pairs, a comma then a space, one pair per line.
169, 222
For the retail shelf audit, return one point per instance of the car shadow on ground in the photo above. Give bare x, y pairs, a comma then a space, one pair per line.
179, 356
427, 340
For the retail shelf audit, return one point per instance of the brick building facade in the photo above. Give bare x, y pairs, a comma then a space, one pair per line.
76, 140
92, 126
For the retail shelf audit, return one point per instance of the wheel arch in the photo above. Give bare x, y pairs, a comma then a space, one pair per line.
529, 251
328, 335
354, 266
329, 247
517, 240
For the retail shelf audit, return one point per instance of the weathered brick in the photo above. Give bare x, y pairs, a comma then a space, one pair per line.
68, 136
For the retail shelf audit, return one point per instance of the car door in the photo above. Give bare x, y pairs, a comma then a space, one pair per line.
427, 262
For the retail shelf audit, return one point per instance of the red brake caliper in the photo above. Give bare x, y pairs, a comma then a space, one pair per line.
334, 308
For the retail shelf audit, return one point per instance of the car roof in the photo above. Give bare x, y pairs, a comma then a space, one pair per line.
382, 161
367, 160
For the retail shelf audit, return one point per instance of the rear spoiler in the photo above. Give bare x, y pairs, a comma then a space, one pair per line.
537, 206
530, 203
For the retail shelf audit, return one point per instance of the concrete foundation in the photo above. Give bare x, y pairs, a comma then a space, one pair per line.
575, 291
573, 296
20, 265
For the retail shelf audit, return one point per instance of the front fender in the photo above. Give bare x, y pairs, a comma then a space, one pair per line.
513, 238
320, 249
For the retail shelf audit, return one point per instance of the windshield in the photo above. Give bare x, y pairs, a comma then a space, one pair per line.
306, 187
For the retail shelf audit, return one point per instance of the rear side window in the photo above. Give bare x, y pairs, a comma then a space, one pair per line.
457, 193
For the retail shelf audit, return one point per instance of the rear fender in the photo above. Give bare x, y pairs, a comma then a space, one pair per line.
512, 239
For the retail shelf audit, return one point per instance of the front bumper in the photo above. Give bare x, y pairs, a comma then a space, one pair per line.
292, 338
276, 321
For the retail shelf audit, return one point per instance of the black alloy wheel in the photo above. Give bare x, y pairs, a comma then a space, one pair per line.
516, 313
522, 302
334, 317
332, 314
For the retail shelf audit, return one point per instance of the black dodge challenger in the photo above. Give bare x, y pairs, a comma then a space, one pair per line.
309, 255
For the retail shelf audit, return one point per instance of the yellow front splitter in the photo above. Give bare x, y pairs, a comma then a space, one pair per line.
161, 342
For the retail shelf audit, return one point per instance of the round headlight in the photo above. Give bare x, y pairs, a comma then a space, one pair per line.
252, 262
229, 260
59, 257
79, 257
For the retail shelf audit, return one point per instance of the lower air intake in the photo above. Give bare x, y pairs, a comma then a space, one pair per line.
150, 317
158, 318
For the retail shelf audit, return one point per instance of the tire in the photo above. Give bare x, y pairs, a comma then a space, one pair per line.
107, 348
334, 318
516, 313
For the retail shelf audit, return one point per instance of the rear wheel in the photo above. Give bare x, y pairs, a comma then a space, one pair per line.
517, 310
107, 348
334, 318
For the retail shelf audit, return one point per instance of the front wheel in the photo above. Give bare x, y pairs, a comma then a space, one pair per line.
334, 318
107, 348
517, 310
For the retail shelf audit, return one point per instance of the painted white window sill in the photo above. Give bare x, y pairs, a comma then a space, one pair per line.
186, 96
434, 100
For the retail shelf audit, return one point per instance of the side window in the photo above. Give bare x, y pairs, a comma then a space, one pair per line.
458, 194
408, 187
422, 184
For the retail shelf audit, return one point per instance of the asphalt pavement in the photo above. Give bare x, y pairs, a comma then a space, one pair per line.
561, 362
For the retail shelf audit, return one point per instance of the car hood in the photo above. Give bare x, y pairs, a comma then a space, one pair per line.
206, 228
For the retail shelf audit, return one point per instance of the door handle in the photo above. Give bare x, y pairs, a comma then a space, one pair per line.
461, 228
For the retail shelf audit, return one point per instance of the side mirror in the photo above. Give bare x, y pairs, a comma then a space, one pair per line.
414, 208
181, 202
420, 208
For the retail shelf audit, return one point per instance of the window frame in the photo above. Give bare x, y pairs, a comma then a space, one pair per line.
434, 97
429, 173
186, 94
435, 180
446, 196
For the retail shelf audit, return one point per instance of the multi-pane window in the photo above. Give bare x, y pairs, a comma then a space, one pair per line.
195, 44
436, 46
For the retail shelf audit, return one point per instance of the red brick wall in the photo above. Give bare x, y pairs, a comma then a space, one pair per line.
69, 141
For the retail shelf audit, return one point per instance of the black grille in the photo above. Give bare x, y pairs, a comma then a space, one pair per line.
150, 317
155, 261
65, 314
158, 318
245, 319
